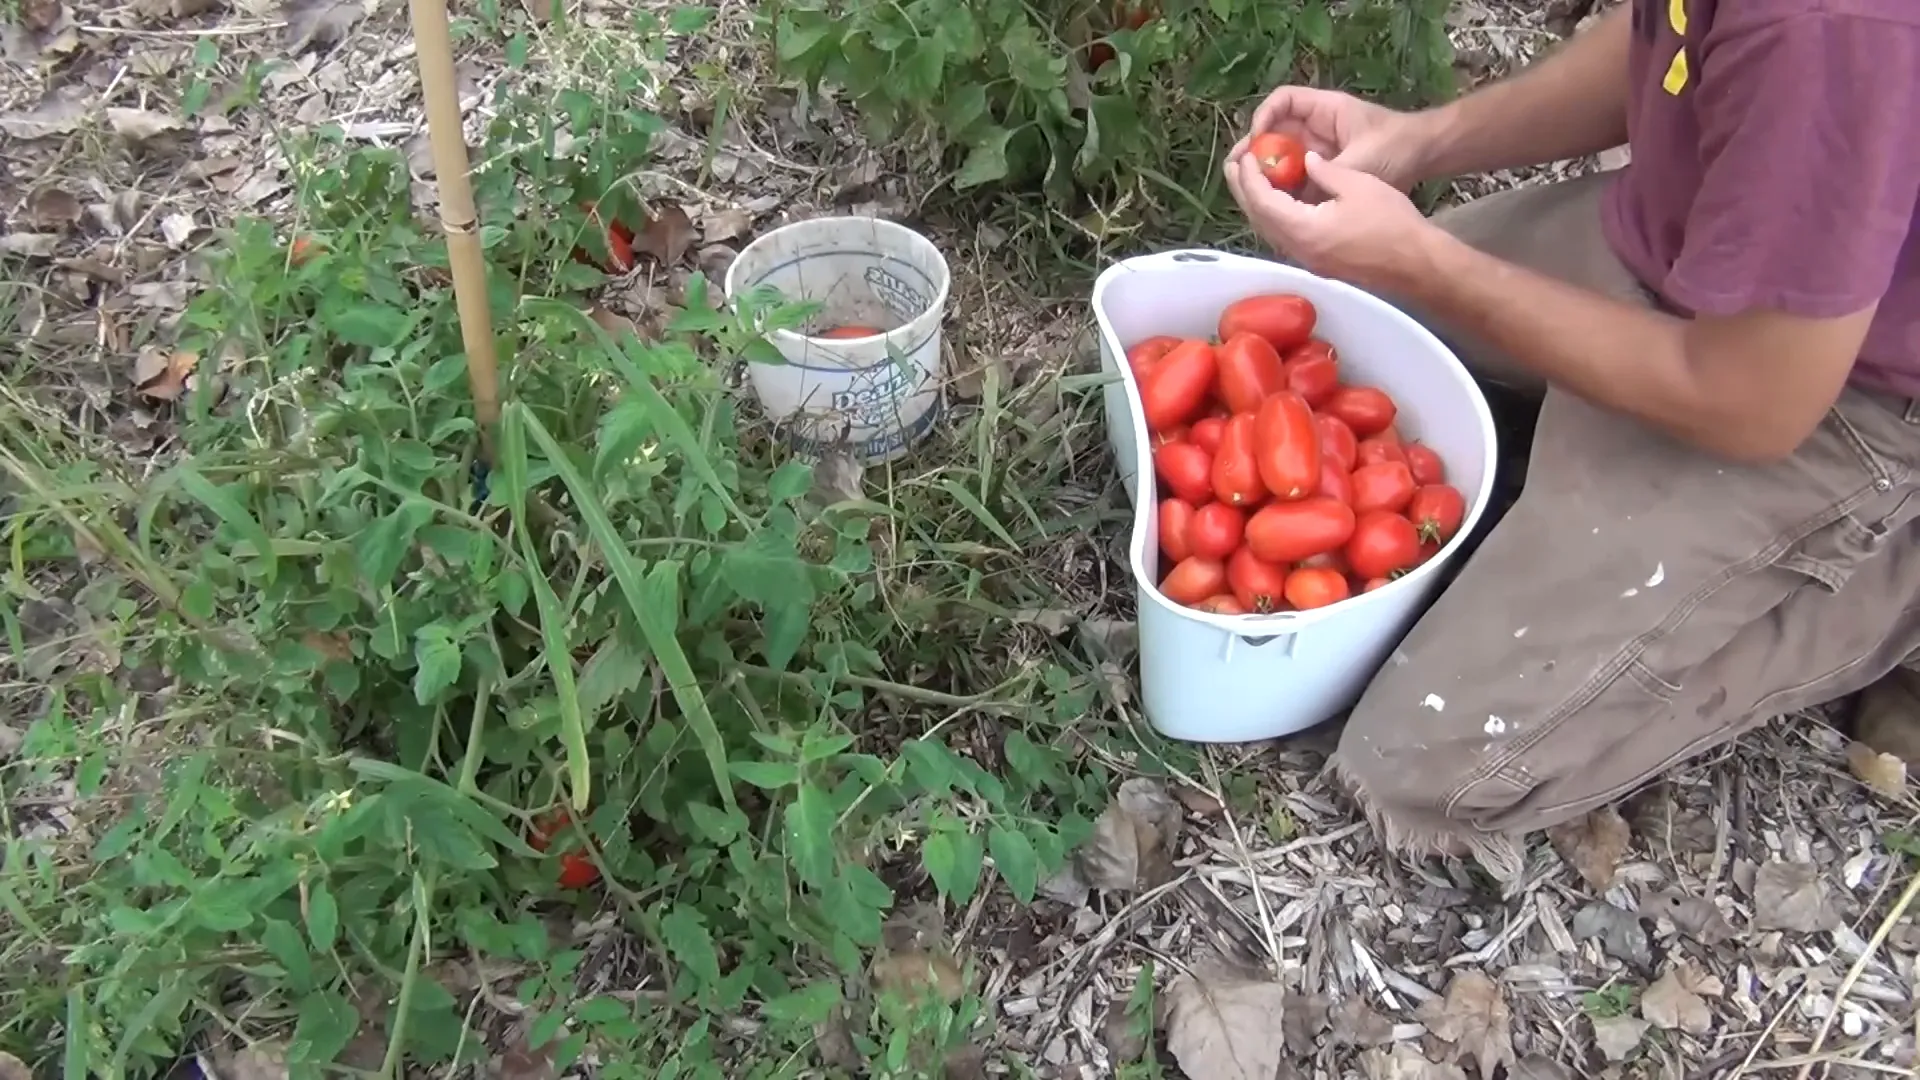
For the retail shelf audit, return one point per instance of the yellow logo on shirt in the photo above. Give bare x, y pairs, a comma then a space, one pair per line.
1676, 77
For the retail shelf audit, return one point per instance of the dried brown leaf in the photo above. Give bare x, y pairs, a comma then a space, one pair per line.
1403, 1062
913, 975
838, 477
12, 1068
1302, 1020
1225, 1027
833, 1041
1538, 1067
614, 323
163, 374
1620, 933
1671, 1002
965, 1062
1618, 1036
39, 16
1355, 1023
1125, 1032
53, 208
1790, 896
1889, 719
1696, 917
1593, 845
59, 114
1133, 840
721, 225
139, 125
318, 23
1473, 1020
1203, 803
666, 236
261, 1061
1884, 773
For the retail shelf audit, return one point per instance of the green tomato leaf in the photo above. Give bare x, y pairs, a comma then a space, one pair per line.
986, 162
952, 857
1014, 858
809, 835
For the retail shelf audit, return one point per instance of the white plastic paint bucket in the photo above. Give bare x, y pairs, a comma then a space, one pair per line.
872, 396
1219, 678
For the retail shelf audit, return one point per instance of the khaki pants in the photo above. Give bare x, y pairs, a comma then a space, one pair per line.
1641, 602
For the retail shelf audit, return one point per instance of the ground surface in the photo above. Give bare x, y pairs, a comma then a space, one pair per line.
1739, 920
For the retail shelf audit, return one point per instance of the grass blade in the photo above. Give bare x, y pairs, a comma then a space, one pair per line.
228, 510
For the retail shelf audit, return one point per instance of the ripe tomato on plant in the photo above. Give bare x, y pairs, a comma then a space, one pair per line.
303, 248
1437, 510
1316, 587
1173, 391
1216, 530
1287, 532
1250, 372
1287, 446
1425, 463
1282, 159
1337, 441
1187, 471
1382, 544
1285, 320
1260, 586
577, 871
1385, 486
1366, 409
1135, 16
1149, 352
1236, 469
1194, 579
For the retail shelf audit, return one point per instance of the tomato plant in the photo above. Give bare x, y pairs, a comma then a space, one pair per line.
1176, 516
1437, 510
1287, 446
1365, 409
1285, 320
1250, 372
1314, 587
1194, 579
1259, 585
1383, 543
1425, 464
1174, 390
1236, 469
1387, 485
1282, 159
1215, 531
1186, 469
1287, 532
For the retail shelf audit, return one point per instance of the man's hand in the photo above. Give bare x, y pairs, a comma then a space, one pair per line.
1345, 129
1365, 231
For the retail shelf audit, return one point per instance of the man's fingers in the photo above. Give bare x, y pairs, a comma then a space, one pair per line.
1259, 197
1239, 148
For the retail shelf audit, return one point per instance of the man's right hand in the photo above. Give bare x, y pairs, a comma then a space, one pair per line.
1346, 131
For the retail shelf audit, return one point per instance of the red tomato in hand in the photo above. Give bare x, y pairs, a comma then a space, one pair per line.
1337, 441
1287, 446
1383, 543
1335, 481
1224, 604
1291, 531
1386, 486
1193, 580
1311, 587
1282, 160
1250, 372
1426, 465
1436, 510
1206, 432
1187, 471
1378, 450
1215, 531
1236, 468
1314, 378
1366, 410
1176, 517
1150, 352
1286, 321
1259, 585
1174, 390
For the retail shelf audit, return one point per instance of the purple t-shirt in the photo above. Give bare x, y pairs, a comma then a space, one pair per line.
1776, 165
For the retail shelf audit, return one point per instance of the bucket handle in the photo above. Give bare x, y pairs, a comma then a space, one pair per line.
1286, 650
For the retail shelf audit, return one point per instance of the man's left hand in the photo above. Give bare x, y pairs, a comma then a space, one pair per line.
1365, 231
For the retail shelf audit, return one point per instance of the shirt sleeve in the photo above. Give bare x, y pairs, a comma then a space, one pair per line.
1811, 166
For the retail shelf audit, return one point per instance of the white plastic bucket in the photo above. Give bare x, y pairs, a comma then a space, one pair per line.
1221, 678
873, 396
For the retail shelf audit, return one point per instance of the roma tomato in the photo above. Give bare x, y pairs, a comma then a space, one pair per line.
1287, 446
1259, 585
1206, 432
1250, 372
1386, 486
577, 871
1428, 549
1375, 583
1314, 349
1215, 531
1314, 378
1283, 161
840, 332
1368, 411
1162, 438
1174, 390
1379, 449
1187, 471
1149, 352
1426, 465
1236, 468
1286, 321
1309, 588
1436, 510
1337, 441
1291, 531
1176, 518
1326, 560
1224, 604
1193, 580
1335, 481
1383, 543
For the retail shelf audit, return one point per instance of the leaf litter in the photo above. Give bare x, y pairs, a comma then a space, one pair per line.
1472, 1022
1225, 1025
1677, 1000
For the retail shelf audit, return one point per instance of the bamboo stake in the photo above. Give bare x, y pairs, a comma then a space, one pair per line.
438, 84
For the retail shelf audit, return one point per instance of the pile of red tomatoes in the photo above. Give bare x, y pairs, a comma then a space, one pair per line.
1281, 488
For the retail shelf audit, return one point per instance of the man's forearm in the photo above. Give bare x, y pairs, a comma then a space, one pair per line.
1570, 104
